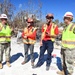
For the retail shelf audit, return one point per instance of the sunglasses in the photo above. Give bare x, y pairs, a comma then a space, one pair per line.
49, 17
29, 22
66, 18
4, 19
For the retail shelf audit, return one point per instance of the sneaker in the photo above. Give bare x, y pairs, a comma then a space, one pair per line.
60, 72
47, 68
23, 62
8, 64
1, 66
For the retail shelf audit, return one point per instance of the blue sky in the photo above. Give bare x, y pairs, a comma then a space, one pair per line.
57, 7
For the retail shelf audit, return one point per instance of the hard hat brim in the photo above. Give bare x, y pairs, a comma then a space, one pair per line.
3, 18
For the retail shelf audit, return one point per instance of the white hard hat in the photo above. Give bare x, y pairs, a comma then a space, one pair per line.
3, 16
68, 14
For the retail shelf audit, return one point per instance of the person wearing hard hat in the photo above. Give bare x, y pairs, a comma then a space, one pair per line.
29, 39
5, 38
68, 44
49, 33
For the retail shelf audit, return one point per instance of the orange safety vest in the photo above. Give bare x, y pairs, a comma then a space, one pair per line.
29, 40
51, 31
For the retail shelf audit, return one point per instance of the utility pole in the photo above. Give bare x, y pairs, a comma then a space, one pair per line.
5, 7
0, 8
40, 9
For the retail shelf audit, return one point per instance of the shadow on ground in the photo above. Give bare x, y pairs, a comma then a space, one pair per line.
58, 61
14, 57
35, 56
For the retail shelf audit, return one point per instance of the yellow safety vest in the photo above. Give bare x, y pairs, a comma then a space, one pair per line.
51, 32
68, 37
8, 34
5, 34
29, 40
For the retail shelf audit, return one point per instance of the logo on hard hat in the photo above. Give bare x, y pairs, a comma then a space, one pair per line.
68, 14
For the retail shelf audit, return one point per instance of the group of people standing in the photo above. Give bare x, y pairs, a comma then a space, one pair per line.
50, 31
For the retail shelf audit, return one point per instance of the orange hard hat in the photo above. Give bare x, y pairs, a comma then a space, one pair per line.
50, 15
29, 20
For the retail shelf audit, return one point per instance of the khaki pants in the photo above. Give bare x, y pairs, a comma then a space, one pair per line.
5, 47
64, 68
69, 59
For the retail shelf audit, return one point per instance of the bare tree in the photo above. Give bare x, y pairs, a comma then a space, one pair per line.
34, 9
7, 7
19, 19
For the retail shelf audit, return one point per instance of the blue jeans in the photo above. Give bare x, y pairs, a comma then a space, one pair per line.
47, 45
26, 48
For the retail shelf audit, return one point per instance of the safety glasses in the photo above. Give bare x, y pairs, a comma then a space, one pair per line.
66, 18
49, 17
29, 22
4, 19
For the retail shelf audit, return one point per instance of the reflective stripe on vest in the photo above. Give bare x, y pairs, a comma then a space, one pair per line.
68, 37
51, 32
29, 40
2, 34
43, 34
69, 42
8, 34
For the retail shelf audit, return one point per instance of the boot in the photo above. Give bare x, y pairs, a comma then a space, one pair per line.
47, 68
60, 72
1, 66
74, 64
35, 66
24, 62
8, 64
69, 74
32, 63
